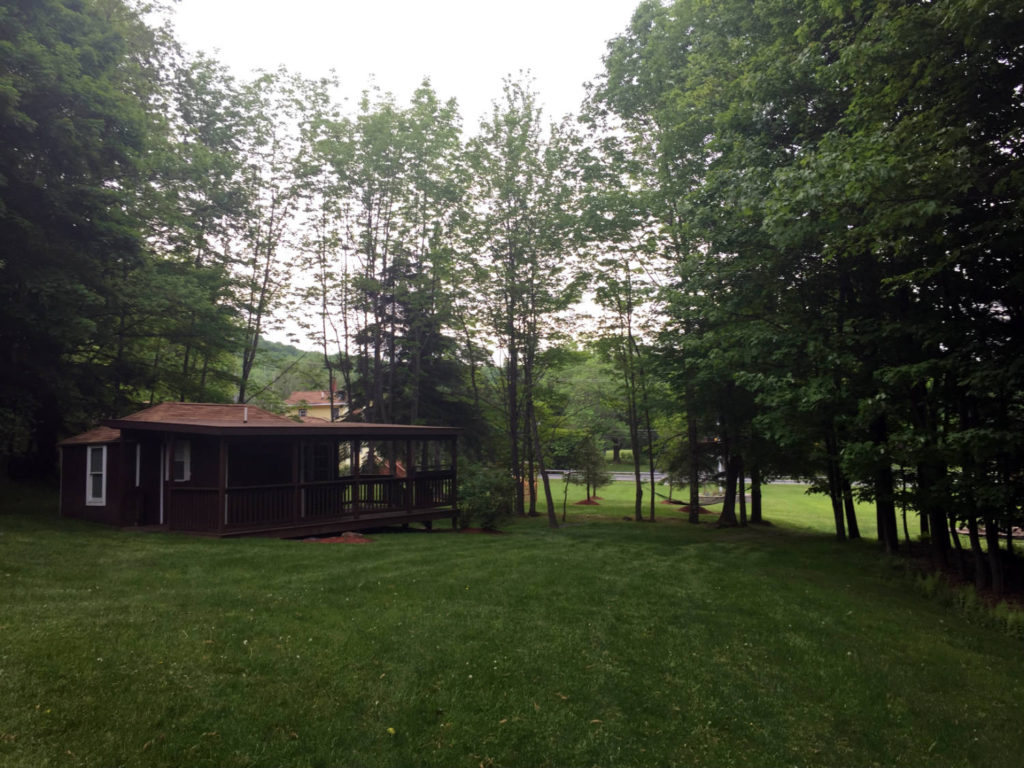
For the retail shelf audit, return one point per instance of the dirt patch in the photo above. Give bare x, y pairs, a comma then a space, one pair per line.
349, 537
480, 530
589, 502
701, 510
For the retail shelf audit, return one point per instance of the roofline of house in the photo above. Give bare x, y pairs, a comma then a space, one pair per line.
326, 429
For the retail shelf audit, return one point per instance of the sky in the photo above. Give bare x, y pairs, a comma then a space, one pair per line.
466, 47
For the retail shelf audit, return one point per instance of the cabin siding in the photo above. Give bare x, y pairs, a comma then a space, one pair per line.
73, 486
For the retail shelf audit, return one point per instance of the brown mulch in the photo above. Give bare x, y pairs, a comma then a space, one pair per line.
480, 530
701, 510
349, 537
589, 501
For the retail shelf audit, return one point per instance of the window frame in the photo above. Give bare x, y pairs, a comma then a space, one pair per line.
185, 446
90, 473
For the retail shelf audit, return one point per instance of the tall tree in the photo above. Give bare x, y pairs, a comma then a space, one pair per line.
272, 148
523, 197
77, 81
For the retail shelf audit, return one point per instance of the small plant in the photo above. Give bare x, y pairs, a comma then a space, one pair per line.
486, 495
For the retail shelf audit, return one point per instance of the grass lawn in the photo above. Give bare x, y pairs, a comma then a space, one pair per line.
603, 643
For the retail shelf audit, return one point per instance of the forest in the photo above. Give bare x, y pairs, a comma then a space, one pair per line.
777, 240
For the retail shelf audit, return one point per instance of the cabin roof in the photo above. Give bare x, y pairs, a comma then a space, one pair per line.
248, 420
97, 436
206, 413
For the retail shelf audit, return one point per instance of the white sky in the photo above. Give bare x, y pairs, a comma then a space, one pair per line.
466, 47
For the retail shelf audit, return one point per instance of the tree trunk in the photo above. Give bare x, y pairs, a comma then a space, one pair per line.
742, 492
728, 516
995, 560
693, 440
885, 503
958, 550
980, 568
933, 508
512, 393
851, 511
755, 495
835, 491
552, 518
531, 474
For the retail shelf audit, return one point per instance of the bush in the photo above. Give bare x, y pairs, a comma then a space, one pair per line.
486, 495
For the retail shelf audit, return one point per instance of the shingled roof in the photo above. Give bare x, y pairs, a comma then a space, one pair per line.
238, 420
96, 436
207, 413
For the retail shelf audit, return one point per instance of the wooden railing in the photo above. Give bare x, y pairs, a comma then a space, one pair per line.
260, 505
346, 499
326, 500
434, 491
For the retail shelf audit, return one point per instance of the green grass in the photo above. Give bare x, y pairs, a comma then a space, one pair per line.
603, 643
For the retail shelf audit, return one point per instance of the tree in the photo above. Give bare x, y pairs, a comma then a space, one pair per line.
522, 198
77, 81
271, 143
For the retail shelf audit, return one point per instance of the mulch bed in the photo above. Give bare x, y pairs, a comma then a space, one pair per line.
701, 510
590, 502
349, 537
476, 530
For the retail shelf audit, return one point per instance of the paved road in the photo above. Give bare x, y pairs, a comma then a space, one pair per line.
618, 477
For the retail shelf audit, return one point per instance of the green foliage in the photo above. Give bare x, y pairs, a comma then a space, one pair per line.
589, 464
834, 194
75, 79
486, 495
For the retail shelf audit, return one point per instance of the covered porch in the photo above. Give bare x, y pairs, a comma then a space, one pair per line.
291, 479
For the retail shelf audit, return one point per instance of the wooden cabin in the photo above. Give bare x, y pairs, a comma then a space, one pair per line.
236, 470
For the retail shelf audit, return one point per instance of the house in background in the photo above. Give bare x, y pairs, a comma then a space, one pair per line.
316, 404
236, 470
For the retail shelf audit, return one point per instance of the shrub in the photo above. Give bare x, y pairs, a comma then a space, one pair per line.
486, 495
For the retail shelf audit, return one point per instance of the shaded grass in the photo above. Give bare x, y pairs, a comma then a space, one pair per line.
603, 643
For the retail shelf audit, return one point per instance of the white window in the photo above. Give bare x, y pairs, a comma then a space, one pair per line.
96, 476
181, 467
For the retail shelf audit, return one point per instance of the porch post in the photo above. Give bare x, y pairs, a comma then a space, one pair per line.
167, 480
455, 481
222, 484
297, 482
410, 476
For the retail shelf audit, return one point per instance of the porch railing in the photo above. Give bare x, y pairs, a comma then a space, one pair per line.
199, 509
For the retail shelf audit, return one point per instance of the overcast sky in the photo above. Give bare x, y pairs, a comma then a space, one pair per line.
466, 47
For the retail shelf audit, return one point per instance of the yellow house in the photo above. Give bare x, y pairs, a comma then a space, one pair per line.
315, 405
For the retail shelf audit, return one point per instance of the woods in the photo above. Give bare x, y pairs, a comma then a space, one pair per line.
798, 227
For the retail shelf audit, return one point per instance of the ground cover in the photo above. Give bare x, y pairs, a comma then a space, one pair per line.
603, 643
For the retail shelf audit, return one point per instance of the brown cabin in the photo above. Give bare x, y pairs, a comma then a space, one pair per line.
236, 470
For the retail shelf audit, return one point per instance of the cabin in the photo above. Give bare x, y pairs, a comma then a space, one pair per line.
237, 470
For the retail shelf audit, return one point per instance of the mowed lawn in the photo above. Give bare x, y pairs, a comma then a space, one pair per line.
603, 643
